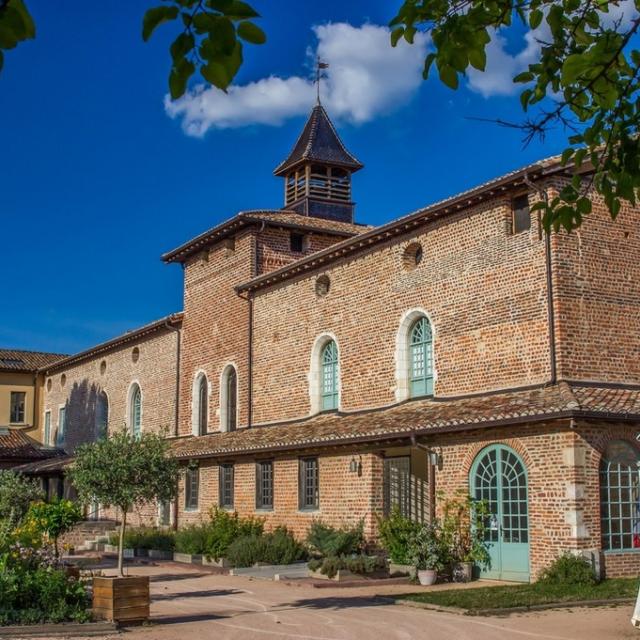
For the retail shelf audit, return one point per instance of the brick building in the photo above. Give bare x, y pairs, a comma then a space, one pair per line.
325, 369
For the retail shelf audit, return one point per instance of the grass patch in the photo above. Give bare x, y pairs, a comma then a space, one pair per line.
526, 595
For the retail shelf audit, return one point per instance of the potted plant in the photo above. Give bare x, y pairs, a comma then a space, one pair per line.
425, 553
395, 533
463, 534
124, 470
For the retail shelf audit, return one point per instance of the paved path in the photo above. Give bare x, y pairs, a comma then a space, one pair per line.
190, 605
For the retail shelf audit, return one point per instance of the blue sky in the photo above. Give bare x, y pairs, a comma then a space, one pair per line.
98, 177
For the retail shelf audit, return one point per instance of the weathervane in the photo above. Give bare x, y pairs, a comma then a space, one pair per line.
319, 75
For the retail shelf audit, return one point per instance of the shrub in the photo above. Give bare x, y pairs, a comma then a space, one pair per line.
426, 549
325, 540
226, 527
44, 594
277, 547
569, 570
53, 519
360, 564
192, 539
395, 533
146, 538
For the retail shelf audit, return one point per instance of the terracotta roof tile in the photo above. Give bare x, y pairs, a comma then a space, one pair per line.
415, 417
52, 465
17, 445
20, 360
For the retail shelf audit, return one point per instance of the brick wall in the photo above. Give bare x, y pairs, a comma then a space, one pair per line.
597, 297
483, 289
345, 497
113, 373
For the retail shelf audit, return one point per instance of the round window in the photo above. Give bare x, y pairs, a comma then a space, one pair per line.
103, 367
412, 256
49, 384
135, 354
63, 380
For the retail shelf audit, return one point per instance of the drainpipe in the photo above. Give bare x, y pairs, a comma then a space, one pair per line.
550, 318
177, 392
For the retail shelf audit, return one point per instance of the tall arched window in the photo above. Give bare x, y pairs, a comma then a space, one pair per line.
329, 377
620, 496
200, 405
102, 416
229, 399
135, 410
421, 358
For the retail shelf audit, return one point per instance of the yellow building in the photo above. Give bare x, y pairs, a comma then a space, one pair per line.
23, 425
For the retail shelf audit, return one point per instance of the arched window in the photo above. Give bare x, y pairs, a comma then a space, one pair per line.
135, 410
329, 376
421, 358
229, 399
102, 416
620, 496
200, 405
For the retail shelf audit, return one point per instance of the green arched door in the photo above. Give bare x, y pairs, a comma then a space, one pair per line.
499, 477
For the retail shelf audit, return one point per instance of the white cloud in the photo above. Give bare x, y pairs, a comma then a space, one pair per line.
497, 79
366, 77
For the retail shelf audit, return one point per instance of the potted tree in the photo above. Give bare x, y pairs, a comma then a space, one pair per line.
464, 522
425, 553
124, 471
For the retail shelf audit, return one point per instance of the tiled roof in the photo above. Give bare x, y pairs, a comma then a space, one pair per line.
408, 223
51, 465
276, 217
417, 417
17, 445
19, 360
157, 325
319, 142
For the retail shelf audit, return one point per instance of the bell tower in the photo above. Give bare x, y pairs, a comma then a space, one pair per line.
317, 173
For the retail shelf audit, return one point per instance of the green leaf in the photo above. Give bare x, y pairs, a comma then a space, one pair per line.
1, 60
220, 5
525, 76
583, 205
535, 18
240, 11
251, 33
155, 17
449, 76
396, 34
566, 155
216, 74
478, 59
181, 46
179, 77
27, 20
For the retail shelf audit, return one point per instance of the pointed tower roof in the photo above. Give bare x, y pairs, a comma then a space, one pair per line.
319, 142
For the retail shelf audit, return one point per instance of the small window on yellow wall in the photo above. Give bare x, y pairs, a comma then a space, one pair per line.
521, 217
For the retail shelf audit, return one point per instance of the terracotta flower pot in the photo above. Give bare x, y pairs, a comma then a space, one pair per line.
427, 577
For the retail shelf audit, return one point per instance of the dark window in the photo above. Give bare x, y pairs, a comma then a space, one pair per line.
226, 486
191, 488
17, 406
296, 242
264, 485
308, 483
397, 485
521, 216
232, 399
102, 416
203, 406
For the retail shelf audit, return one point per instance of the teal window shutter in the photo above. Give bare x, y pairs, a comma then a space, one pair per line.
421, 358
329, 380
62, 416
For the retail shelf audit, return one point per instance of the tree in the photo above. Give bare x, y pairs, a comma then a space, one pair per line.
584, 79
125, 471
55, 518
16, 495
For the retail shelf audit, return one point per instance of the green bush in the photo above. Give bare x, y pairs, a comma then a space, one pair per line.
226, 527
53, 519
327, 541
360, 564
192, 539
146, 538
396, 531
277, 547
569, 570
45, 594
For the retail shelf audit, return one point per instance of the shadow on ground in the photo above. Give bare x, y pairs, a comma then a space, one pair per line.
169, 577
195, 594
335, 603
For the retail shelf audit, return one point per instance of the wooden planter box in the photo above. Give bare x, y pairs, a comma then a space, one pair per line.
121, 599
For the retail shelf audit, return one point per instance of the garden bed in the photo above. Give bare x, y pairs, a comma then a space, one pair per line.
506, 599
64, 630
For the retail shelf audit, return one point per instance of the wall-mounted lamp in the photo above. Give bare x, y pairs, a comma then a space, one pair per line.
435, 458
355, 466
